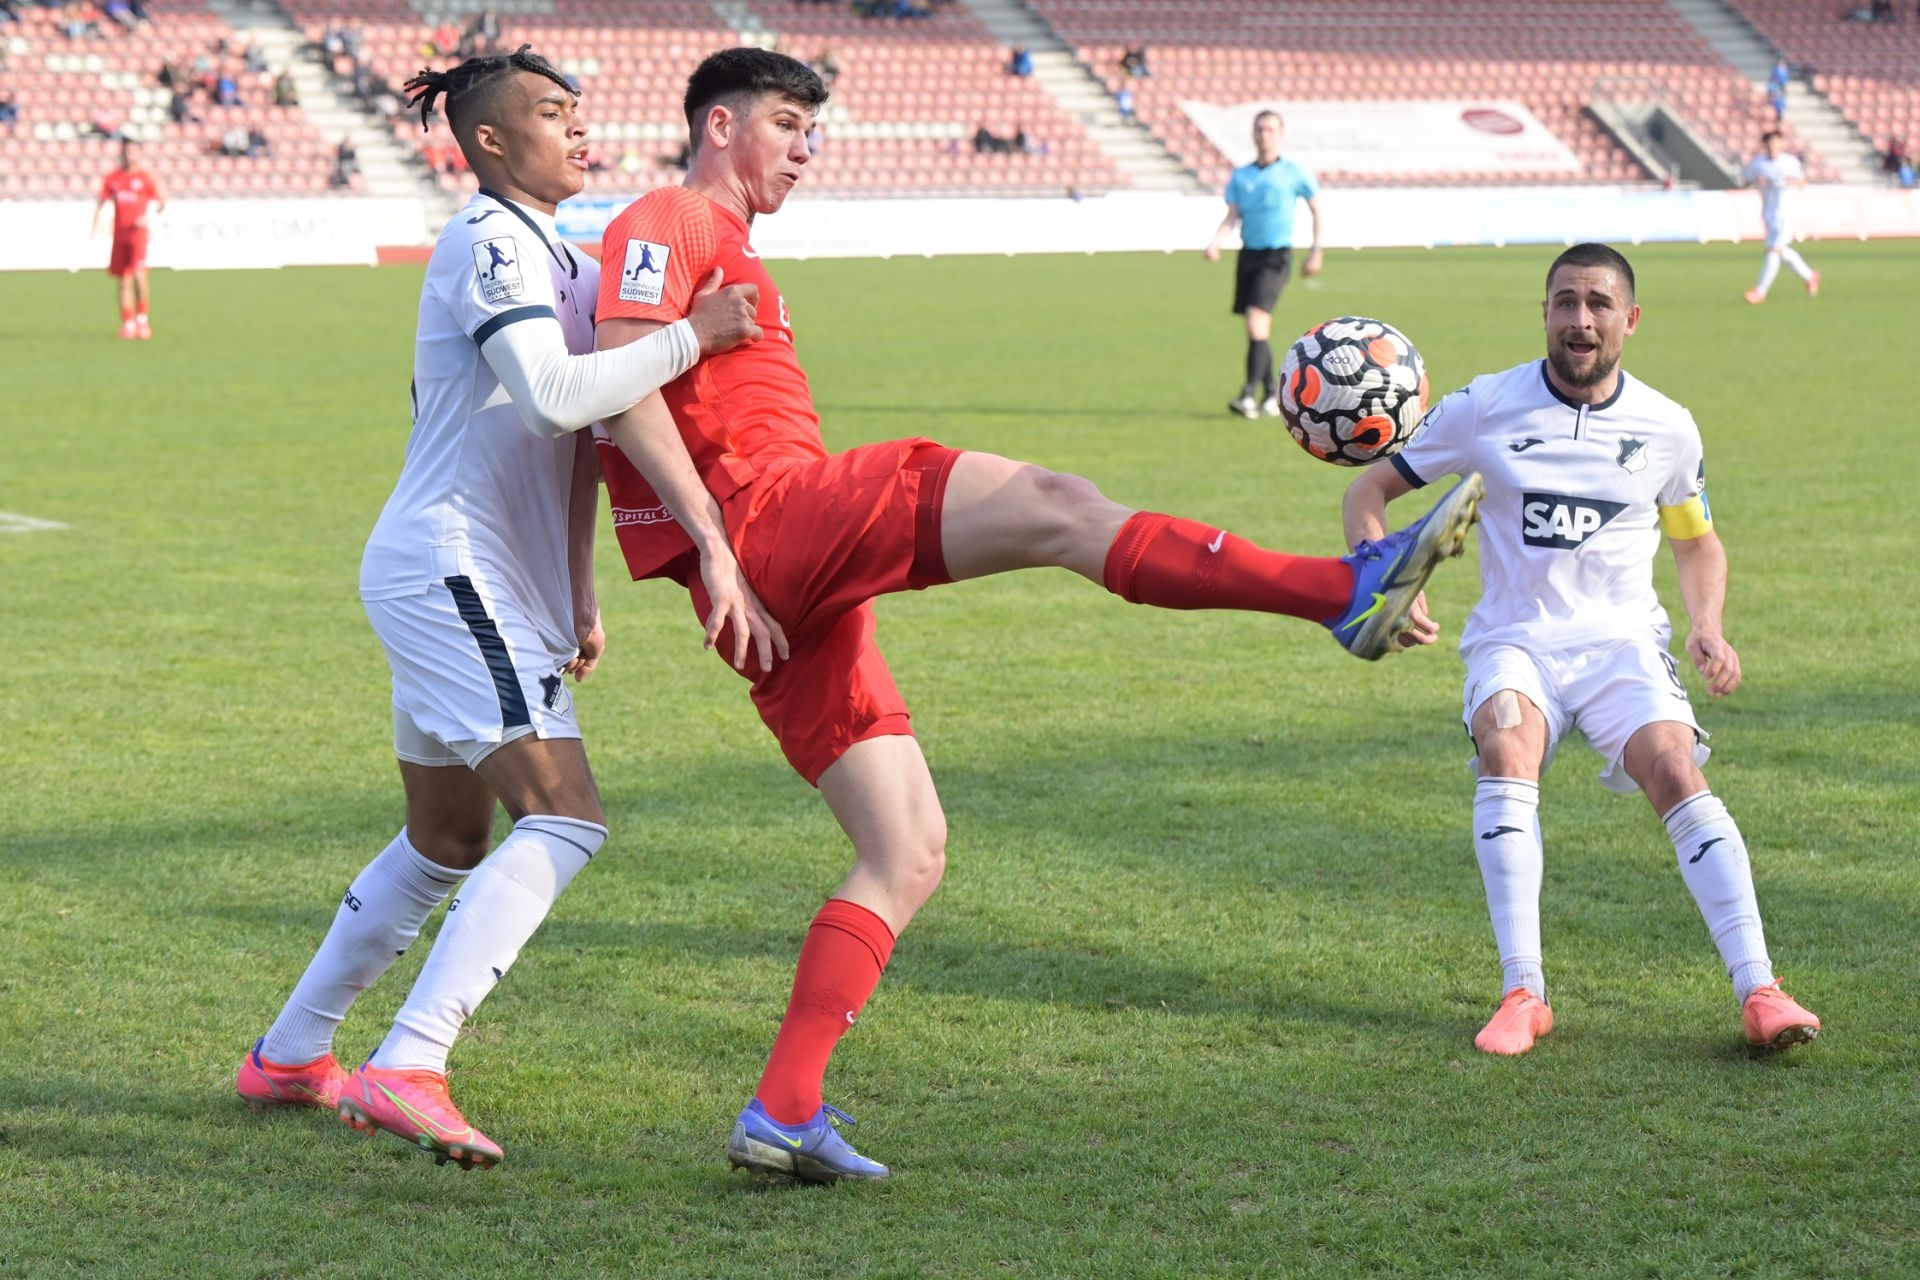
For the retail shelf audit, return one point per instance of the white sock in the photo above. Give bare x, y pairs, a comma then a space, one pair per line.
1799, 264
379, 917
1768, 270
1506, 840
498, 910
1713, 862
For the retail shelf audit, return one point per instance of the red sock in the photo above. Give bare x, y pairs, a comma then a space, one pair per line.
126, 315
1181, 564
840, 965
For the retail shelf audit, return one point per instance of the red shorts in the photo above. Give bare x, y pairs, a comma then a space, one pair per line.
818, 541
129, 252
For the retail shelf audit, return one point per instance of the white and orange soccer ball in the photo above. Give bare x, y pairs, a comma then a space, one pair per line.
1352, 391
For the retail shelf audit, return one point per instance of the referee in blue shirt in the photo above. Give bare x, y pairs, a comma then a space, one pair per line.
1260, 200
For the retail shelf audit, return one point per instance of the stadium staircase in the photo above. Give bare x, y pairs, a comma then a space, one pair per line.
388, 169
1818, 121
1135, 151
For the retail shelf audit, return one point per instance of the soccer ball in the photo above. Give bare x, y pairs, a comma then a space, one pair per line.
1352, 390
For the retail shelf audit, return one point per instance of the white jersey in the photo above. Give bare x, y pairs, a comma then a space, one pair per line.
479, 492
1577, 498
1773, 175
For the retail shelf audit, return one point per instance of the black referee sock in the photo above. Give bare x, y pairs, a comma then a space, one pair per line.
1259, 369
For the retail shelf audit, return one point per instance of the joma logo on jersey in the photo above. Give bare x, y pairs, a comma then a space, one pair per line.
1556, 520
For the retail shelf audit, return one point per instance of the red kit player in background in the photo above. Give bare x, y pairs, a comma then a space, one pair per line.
818, 535
130, 189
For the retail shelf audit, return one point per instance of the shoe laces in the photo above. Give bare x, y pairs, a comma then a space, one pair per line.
838, 1114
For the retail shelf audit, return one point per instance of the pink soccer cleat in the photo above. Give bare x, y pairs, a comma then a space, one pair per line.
415, 1106
1754, 296
141, 329
1813, 285
1522, 1018
1775, 1020
265, 1084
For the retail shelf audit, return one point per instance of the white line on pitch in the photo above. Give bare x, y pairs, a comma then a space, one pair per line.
11, 522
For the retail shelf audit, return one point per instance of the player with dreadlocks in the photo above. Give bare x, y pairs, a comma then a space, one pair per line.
478, 580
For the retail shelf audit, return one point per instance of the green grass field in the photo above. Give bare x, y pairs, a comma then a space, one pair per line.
1198, 995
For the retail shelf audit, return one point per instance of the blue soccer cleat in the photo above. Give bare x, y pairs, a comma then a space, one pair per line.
1388, 574
811, 1152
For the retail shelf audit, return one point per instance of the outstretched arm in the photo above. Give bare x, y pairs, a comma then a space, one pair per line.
1702, 563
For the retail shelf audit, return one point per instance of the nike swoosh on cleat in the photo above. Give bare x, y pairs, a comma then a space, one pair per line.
1705, 845
1497, 832
1379, 602
792, 1142
427, 1122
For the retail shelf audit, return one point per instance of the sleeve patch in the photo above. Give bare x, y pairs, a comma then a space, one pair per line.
497, 263
643, 276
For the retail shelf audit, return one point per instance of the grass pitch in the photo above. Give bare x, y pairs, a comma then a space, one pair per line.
1198, 995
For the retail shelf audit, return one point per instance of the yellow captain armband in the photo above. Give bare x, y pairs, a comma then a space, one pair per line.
1690, 519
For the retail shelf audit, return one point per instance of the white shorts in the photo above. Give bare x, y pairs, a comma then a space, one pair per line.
1607, 692
470, 673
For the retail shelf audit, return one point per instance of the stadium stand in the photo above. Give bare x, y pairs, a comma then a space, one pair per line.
1870, 71
79, 79
1547, 54
909, 94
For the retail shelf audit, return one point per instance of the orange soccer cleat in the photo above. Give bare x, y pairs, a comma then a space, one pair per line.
141, 329
1754, 296
1813, 285
1522, 1018
265, 1084
415, 1106
1775, 1020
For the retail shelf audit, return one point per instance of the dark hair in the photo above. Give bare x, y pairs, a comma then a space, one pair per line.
1769, 136
737, 76
474, 85
1260, 115
1594, 255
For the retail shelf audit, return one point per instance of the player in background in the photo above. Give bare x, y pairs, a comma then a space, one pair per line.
1777, 173
132, 191
820, 535
1585, 469
478, 579
1260, 200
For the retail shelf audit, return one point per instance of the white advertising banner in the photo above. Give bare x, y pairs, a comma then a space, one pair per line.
204, 234
1408, 137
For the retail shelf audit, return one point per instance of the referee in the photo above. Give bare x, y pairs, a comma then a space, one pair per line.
1260, 199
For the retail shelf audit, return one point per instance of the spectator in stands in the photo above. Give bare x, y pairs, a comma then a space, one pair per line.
1781, 74
444, 42
226, 89
987, 142
1895, 156
816, 138
259, 146
171, 75
1021, 64
9, 11
233, 142
1134, 61
1025, 143
1777, 99
180, 107
482, 35
1123, 103
345, 158
827, 67
285, 92
79, 21
9, 109
121, 12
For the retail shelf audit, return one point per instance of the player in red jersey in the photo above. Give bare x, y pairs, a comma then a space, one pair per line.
820, 535
131, 190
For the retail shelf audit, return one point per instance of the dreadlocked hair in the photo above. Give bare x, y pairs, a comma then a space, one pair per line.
458, 83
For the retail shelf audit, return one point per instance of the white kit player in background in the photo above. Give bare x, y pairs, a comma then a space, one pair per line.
478, 580
1776, 173
1585, 469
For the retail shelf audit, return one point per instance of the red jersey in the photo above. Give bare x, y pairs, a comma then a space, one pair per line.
738, 412
131, 191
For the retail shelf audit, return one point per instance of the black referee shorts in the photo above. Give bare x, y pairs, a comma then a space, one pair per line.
1259, 277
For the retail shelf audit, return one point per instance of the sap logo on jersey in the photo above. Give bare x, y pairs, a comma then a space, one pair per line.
1556, 520
497, 263
644, 277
